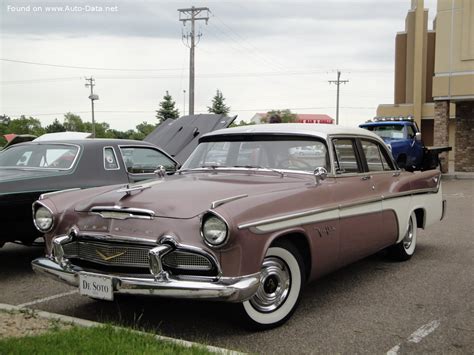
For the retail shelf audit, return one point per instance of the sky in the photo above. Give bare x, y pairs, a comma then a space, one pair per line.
260, 54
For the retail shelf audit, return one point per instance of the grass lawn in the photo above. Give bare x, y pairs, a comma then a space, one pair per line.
95, 340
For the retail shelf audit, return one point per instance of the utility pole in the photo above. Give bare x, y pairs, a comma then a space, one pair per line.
338, 82
192, 14
184, 102
92, 97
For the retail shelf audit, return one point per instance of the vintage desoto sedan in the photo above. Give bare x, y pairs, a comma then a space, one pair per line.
246, 219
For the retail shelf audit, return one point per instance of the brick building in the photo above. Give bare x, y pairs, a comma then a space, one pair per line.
434, 77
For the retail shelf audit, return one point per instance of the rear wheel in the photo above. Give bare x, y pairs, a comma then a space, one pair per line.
405, 249
281, 282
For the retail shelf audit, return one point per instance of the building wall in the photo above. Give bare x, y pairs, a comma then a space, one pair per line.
454, 58
464, 137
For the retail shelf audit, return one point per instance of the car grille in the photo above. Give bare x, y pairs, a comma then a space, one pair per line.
186, 261
134, 256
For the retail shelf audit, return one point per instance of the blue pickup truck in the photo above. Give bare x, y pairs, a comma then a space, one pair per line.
404, 138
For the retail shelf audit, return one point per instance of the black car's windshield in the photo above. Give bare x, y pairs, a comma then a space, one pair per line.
387, 131
264, 152
44, 156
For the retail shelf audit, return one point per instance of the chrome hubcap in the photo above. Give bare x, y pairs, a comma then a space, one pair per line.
409, 236
274, 285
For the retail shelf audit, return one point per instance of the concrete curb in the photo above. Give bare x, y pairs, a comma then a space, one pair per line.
458, 176
87, 323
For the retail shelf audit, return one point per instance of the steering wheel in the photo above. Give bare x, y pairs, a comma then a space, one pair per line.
291, 161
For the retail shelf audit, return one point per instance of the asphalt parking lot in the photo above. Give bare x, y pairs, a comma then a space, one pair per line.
425, 305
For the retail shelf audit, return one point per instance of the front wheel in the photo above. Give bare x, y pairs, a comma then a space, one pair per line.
281, 282
405, 249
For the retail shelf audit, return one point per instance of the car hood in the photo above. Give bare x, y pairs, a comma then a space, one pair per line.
188, 195
179, 137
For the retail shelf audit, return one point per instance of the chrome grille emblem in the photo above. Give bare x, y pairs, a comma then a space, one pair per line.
108, 257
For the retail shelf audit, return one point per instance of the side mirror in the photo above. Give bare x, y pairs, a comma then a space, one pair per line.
160, 172
418, 136
320, 174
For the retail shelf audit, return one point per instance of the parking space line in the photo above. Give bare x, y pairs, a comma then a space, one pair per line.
46, 299
417, 335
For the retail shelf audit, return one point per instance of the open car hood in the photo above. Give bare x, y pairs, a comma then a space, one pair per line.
179, 137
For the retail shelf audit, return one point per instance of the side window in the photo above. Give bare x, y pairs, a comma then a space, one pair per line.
346, 159
110, 159
144, 160
410, 132
376, 160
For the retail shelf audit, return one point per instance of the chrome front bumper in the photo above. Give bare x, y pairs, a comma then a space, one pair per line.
230, 289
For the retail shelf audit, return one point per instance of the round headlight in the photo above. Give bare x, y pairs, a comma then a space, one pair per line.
43, 219
214, 230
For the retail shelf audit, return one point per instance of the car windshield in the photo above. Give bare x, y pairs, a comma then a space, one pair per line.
266, 152
387, 131
44, 156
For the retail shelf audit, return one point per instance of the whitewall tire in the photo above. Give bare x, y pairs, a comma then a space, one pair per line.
405, 249
281, 282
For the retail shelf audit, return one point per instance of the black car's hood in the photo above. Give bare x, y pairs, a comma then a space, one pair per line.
179, 137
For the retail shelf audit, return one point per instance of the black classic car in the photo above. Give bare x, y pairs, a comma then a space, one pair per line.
30, 169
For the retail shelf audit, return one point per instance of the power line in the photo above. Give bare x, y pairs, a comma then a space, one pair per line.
152, 111
82, 67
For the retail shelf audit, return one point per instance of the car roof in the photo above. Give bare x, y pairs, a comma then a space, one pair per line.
309, 129
90, 142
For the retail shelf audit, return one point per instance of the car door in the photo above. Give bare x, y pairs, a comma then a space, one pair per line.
360, 206
141, 162
383, 178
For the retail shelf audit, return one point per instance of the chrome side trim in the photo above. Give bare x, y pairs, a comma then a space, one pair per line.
218, 203
229, 289
118, 212
335, 207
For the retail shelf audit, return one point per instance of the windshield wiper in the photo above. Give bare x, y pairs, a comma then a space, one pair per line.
205, 166
260, 167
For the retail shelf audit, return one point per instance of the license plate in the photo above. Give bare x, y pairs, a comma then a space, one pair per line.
96, 286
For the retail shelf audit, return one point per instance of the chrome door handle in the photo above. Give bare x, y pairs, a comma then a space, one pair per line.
368, 177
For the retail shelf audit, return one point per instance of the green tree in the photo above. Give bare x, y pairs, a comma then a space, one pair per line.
73, 123
145, 128
4, 123
286, 116
56, 126
242, 123
218, 105
25, 125
167, 109
101, 129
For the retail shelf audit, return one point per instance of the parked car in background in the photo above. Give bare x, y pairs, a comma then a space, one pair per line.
247, 219
404, 138
28, 170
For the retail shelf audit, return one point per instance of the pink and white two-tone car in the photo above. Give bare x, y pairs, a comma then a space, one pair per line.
246, 219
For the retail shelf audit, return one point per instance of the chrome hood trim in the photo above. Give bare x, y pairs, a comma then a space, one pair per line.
122, 213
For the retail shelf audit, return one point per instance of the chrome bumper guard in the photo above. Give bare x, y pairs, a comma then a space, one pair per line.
229, 289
